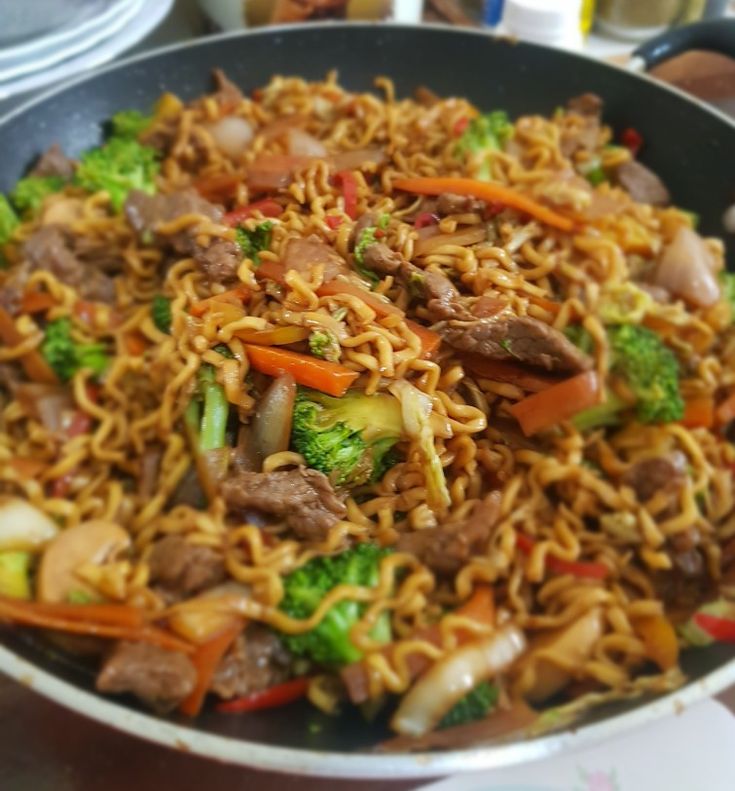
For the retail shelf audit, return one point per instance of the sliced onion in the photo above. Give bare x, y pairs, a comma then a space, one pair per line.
687, 269
281, 125
201, 625
353, 160
23, 526
303, 144
274, 171
453, 676
47, 403
232, 135
472, 234
212, 468
427, 232
272, 421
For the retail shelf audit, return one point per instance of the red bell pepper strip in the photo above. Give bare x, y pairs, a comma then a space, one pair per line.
460, 125
720, 629
347, 181
333, 221
632, 140
424, 218
267, 207
270, 698
577, 568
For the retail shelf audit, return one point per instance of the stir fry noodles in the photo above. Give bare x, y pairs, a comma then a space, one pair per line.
395, 403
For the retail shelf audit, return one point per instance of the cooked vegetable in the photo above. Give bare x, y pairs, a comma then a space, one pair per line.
15, 568
329, 643
416, 409
94, 542
347, 181
270, 698
278, 336
8, 223
559, 402
161, 313
324, 344
659, 638
712, 622
208, 410
351, 438
267, 207
475, 705
130, 123
66, 356
23, 526
687, 269
29, 193
453, 676
271, 426
116, 168
727, 286
232, 134
699, 412
483, 135
577, 568
253, 242
367, 238
321, 375
487, 191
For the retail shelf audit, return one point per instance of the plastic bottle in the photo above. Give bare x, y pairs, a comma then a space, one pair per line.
553, 22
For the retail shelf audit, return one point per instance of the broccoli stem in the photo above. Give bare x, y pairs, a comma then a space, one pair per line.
215, 413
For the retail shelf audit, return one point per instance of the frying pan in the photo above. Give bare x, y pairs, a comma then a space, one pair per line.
690, 145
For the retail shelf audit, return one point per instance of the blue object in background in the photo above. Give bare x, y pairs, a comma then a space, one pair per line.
493, 12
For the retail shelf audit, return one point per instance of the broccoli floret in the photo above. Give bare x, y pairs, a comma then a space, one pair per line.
650, 370
66, 356
580, 337
368, 237
252, 242
727, 284
161, 313
486, 133
329, 642
8, 223
208, 410
347, 438
130, 123
117, 167
474, 706
322, 343
29, 192
596, 175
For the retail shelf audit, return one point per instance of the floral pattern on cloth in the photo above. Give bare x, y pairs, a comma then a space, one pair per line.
598, 780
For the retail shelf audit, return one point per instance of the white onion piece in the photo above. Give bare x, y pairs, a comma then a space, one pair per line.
50, 404
302, 144
687, 269
232, 135
23, 526
353, 160
472, 234
272, 421
728, 219
453, 676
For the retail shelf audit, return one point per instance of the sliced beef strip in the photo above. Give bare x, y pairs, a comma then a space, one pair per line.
219, 260
449, 203
648, 476
182, 568
304, 253
256, 661
585, 135
642, 184
160, 678
9, 377
54, 162
304, 498
447, 548
515, 338
50, 248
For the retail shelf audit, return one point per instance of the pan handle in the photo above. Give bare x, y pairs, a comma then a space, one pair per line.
717, 35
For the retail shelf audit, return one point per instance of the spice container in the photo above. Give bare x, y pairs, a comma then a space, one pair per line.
636, 20
553, 22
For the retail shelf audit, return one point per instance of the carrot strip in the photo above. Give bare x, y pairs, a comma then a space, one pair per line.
558, 402
330, 378
272, 270
236, 296
512, 373
26, 614
37, 302
110, 614
699, 412
430, 340
135, 343
206, 658
659, 639
726, 410
280, 336
488, 191
221, 186
33, 362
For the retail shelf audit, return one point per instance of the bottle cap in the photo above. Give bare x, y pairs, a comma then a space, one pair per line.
545, 21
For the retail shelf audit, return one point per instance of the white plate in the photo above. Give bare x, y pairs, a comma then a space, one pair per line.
31, 27
149, 14
46, 54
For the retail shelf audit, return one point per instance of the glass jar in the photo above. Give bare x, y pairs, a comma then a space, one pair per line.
638, 20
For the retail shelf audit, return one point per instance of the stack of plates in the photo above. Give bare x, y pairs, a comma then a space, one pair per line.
44, 41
